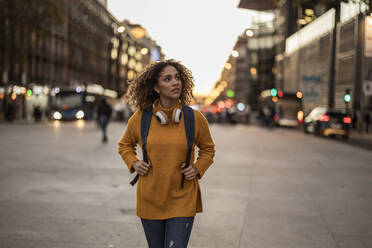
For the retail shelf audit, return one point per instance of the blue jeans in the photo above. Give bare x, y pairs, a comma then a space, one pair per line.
169, 233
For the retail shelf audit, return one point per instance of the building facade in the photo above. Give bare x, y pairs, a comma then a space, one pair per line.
308, 60
249, 68
321, 51
82, 44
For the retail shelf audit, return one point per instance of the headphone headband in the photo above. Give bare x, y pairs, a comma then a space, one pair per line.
162, 118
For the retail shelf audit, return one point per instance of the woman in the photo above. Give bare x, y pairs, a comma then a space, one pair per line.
166, 210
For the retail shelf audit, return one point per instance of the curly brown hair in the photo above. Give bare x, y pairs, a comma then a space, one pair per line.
141, 91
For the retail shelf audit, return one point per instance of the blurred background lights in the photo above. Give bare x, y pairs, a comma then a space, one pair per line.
299, 94
235, 53
230, 93
121, 29
80, 124
228, 104
249, 33
124, 59
280, 93
114, 53
300, 116
38, 90
79, 114
57, 115
309, 12
240, 106
347, 98
56, 123
144, 51
138, 32
273, 92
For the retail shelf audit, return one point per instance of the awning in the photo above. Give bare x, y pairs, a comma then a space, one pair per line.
259, 5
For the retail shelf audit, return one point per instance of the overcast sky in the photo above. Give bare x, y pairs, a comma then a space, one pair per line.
199, 33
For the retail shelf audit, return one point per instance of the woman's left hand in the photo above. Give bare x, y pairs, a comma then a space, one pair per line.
190, 172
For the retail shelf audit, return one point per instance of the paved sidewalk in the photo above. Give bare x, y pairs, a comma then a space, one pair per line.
60, 187
363, 140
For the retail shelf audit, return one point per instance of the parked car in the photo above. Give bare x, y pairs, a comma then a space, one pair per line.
328, 122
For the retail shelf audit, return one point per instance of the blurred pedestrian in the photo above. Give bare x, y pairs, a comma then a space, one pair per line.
166, 210
103, 116
10, 109
355, 120
367, 120
37, 113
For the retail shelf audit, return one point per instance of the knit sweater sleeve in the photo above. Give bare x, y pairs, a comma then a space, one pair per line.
204, 142
127, 144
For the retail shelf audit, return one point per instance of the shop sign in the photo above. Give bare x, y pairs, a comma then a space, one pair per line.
367, 88
368, 37
311, 88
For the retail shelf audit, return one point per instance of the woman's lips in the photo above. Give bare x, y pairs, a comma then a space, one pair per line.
176, 90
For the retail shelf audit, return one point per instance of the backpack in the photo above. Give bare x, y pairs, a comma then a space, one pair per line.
189, 130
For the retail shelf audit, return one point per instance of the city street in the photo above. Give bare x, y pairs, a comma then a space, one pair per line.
61, 187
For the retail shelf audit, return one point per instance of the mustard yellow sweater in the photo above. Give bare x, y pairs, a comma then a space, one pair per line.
159, 193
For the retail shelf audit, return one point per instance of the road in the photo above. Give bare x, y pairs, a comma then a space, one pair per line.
61, 187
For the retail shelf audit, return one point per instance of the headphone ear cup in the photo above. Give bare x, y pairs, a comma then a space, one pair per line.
176, 116
161, 117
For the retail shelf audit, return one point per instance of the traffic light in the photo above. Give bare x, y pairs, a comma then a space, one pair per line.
347, 96
230, 93
273, 92
280, 93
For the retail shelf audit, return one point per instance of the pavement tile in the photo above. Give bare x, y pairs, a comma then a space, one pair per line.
69, 230
217, 229
347, 241
19, 243
61, 187
286, 231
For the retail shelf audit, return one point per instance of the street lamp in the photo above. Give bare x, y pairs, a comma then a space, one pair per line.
121, 29
235, 53
144, 51
228, 66
249, 33
347, 99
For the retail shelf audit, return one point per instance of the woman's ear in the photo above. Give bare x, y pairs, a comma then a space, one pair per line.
156, 89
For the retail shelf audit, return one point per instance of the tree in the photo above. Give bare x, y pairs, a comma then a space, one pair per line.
18, 19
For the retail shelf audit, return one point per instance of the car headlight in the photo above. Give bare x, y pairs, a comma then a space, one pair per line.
57, 115
79, 114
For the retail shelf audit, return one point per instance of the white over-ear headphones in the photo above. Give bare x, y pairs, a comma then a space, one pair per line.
162, 117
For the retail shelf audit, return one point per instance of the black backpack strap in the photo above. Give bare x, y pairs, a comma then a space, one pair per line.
145, 126
188, 117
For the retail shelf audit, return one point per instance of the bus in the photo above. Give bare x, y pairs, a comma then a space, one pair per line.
283, 108
78, 102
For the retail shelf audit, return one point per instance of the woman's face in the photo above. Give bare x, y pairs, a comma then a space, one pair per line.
169, 85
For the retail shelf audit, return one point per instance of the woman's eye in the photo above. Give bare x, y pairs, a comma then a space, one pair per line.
178, 78
166, 79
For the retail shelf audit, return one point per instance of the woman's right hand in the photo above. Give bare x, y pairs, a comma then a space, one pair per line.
141, 167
